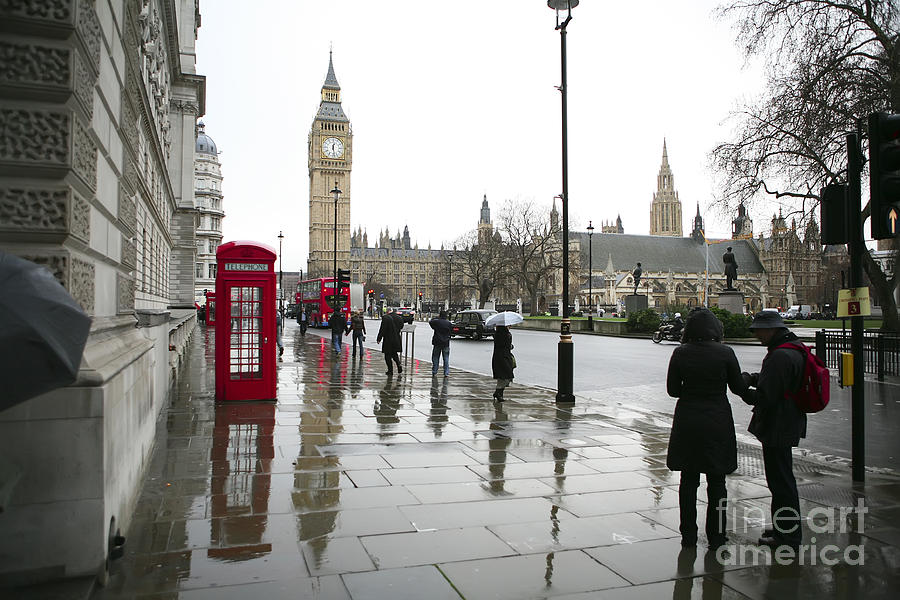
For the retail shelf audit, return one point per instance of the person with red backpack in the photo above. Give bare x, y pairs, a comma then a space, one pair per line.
778, 422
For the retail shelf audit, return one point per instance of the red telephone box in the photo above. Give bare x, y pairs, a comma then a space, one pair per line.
210, 309
245, 323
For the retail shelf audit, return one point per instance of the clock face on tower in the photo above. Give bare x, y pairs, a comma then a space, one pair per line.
333, 147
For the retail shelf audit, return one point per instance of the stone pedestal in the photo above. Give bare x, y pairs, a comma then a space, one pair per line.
732, 301
635, 303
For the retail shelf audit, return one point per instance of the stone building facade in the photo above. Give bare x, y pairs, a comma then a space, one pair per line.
98, 105
665, 210
208, 199
330, 162
794, 265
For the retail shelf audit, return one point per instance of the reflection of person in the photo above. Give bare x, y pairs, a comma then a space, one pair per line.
498, 444
702, 438
440, 342
778, 424
437, 416
502, 360
358, 327
730, 269
637, 277
389, 337
388, 403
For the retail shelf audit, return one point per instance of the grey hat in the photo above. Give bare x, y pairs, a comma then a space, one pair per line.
767, 319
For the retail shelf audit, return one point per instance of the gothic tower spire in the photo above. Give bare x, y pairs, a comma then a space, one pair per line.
665, 210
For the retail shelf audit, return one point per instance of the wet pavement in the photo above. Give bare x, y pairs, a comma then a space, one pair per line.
359, 485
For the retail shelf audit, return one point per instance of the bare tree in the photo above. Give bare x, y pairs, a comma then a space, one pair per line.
482, 263
532, 245
829, 64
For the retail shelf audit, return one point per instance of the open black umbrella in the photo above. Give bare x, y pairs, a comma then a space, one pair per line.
42, 332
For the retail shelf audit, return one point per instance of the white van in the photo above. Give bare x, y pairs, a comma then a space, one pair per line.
798, 311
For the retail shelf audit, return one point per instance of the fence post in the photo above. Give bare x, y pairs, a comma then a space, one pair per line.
879, 356
821, 352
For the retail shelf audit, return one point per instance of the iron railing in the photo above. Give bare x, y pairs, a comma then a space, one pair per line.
881, 350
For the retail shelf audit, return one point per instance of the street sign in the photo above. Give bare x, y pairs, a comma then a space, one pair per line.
854, 303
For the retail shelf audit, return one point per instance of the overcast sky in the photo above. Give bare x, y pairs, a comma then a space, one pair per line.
450, 100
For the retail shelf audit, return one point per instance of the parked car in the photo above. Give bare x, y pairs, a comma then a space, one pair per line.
799, 311
407, 313
470, 324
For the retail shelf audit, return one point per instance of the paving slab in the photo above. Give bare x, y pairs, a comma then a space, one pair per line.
358, 485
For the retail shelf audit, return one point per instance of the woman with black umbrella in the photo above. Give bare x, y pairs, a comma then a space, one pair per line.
502, 362
702, 438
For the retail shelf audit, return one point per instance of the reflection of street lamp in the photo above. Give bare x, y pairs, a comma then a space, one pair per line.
590, 229
280, 277
565, 351
336, 192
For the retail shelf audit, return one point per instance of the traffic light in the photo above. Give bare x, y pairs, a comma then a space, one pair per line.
343, 278
833, 204
884, 174
420, 295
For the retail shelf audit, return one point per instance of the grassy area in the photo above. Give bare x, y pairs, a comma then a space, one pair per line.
833, 324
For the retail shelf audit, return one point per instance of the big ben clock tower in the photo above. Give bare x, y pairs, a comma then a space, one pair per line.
330, 160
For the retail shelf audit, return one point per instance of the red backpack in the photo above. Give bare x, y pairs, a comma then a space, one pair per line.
815, 390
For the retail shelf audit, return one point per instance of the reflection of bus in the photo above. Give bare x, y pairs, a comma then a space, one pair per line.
317, 296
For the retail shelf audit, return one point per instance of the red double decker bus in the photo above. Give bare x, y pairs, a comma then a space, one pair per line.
317, 297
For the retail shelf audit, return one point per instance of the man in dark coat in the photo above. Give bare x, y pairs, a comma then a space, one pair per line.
440, 342
778, 424
389, 337
730, 269
338, 324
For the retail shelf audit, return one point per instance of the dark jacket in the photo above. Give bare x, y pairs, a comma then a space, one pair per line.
776, 420
338, 323
357, 323
702, 438
442, 329
389, 334
501, 362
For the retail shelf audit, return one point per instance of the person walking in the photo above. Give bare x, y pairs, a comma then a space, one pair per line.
389, 337
338, 324
279, 326
778, 424
702, 438
303, 321
358, 328
440, 342
502, 362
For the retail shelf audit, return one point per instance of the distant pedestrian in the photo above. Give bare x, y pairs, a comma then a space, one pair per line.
778, 424
440, 342
358, 328
502, 362
279, 326
389, 337
702, 438
338, 324
303, 320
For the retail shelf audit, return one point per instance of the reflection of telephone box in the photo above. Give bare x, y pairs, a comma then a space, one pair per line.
245, 322
210, 309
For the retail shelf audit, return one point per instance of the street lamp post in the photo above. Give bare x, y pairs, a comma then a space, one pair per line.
280, 278
450, 279
565, 350
590, 229
336, 303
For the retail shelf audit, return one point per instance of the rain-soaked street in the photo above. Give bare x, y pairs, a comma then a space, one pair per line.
358, 485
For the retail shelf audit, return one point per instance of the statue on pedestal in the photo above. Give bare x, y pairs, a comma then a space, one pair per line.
730, 269
637, 277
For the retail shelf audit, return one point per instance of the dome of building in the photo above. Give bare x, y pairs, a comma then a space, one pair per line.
205, 144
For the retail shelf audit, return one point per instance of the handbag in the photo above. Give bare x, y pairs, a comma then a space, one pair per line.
513, 357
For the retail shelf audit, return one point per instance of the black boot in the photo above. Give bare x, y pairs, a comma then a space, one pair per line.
498, 395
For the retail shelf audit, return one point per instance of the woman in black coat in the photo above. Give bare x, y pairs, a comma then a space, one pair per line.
702, 438
502, 360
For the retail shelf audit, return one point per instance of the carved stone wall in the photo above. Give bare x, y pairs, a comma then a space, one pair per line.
54, 211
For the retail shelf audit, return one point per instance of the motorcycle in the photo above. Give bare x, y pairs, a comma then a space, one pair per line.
668, 332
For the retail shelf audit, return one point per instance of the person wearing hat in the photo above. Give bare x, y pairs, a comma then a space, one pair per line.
778, 424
